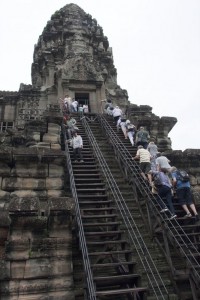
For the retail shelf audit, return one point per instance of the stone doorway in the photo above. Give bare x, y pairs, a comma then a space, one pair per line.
83, 98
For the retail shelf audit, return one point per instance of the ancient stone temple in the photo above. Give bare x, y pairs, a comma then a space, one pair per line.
63, 233
73, 57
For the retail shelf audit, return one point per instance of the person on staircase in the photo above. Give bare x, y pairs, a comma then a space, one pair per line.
144, 158
131, 129
108, 108
142, 137
121, 123
153, 150
68, 103
77, 144
183, 193
117, 112
70, 126
164, 189
162, 162
74, 105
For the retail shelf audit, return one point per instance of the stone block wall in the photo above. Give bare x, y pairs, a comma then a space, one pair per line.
35, 222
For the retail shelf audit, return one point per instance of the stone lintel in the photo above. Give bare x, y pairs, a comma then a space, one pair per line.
89, 85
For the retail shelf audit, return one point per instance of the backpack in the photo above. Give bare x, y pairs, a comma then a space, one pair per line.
157, 179
183, 176
130, 127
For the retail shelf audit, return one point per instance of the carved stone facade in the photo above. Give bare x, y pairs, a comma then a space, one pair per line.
73, 57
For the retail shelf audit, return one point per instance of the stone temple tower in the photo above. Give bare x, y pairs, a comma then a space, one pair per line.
73, 57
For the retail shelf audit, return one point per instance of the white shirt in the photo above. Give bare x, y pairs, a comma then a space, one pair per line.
144, 155
117, 112
76, 142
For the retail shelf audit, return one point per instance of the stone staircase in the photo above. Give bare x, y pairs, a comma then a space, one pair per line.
105, 231
191, 239
112, 260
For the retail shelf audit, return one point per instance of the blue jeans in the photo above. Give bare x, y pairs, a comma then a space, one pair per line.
165, 194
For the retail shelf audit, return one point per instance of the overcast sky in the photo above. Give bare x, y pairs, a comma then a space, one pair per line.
156, 48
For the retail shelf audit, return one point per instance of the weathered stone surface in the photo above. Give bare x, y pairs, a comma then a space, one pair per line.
4, 219
56, 193
28, 204
17, 269
4, 169
30, 169
33, 289
61, 204
51, 138
4, 196
56, 171
28, 193
54, 128
55, 146
16, 183
54, 183
46, 268
5, 269
41, 145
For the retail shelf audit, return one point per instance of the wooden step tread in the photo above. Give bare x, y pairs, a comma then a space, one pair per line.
101, 224
104, 233
96, 202
91, 190
89, 184
98, 209
92, 196
135, 291
121, 276
86, 173
107, 242
86, 180
99, 216
110, 252
112, 264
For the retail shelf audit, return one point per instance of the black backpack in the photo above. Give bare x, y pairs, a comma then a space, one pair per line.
183, 176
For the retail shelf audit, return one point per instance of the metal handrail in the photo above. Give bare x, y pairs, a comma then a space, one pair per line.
142, 185
91, 290
133, 231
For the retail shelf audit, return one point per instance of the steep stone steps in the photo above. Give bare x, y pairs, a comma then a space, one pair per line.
130, 198
113, 269
193, 236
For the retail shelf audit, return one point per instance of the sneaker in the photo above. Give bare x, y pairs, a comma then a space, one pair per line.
76, 161
164, 210
187, 216
172, 217
81, 161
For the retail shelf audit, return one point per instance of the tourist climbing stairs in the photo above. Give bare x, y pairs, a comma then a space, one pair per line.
182, 234
110, 266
